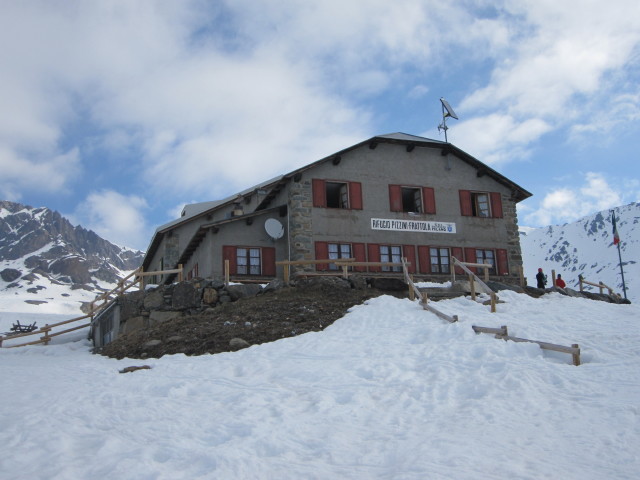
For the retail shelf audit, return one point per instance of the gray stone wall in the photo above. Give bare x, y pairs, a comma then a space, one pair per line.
300, 223
514, 251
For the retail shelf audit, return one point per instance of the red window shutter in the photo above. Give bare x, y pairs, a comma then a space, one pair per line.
503, 264
395, 198
269, 261
373, 249
470, 256
424, 259
409, 252
355, 195
319, 193
465, 203
322, 252
429, 199
229, 253
457, 252
496, 205
360, 255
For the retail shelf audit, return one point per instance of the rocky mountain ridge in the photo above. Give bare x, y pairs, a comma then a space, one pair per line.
41, 252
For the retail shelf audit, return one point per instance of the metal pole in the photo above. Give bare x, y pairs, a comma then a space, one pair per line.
624, 287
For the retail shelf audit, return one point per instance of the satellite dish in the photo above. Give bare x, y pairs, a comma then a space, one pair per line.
274, 228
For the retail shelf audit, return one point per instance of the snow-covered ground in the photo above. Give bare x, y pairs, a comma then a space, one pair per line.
387, 392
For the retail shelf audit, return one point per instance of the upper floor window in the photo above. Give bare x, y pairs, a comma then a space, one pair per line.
337, 194
480, 204
412, 199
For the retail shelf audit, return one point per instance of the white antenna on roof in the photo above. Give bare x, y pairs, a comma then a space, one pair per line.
447, 111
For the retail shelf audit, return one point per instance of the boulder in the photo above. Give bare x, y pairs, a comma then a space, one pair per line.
184, 296
10, 274
153, 299
156, 317
209, 296
238, 343
244, 290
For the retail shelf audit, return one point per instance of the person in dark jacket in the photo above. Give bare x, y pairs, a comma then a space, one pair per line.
560, 282
541, 278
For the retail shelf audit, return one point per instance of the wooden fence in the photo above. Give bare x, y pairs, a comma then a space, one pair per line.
600, 285
101, 302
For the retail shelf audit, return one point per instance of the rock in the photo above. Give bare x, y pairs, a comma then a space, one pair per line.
238, 343
134, 368
245, 290
175, 338
156, 317
389, 284
153, 299
35, 302
10, 274
184, 296
133, 324
358, 282
152, 343
273, 285
209, 296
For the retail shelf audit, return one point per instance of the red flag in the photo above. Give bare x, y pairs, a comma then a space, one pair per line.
616, 237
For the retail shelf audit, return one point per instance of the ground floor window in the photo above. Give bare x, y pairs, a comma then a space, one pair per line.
392, 254
440, 262
486, 256
248, 261
338, 251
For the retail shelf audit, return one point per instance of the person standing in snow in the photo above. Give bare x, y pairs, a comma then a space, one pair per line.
541, 278
560, 282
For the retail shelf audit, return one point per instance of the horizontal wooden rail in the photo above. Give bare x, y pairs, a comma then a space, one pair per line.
503, 334
158, 272
463, 265
314, 262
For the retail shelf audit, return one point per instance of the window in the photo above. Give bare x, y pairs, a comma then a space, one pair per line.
337, 251
480, 204
412, 199
440, 262
248, 261
391, 254
337, 195
488, 256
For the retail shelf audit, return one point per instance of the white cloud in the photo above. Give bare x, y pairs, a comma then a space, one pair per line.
567, 204
115, 217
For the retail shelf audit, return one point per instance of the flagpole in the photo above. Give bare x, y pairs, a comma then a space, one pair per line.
616, 240
624, 287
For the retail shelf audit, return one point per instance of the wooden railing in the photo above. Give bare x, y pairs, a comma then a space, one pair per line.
473, 279
136, 277
600, 285
344, 263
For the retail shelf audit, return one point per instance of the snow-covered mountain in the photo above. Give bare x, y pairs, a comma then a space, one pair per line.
47, 265
586, 247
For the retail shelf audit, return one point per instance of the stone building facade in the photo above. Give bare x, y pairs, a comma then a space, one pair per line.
388, 197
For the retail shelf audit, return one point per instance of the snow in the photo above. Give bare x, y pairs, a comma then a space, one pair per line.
387, 392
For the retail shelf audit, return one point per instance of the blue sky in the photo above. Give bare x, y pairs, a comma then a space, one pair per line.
117, 113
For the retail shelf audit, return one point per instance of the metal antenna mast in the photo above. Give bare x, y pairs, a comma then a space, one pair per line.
447, 111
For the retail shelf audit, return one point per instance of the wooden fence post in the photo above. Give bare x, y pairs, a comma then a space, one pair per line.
45, 338
576, 355
493, 303
181, 272
226, 273
553, 278
472, 282
486, 271
601, 288
1, 338
425, 298
412, 294
286, 273
580, 280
